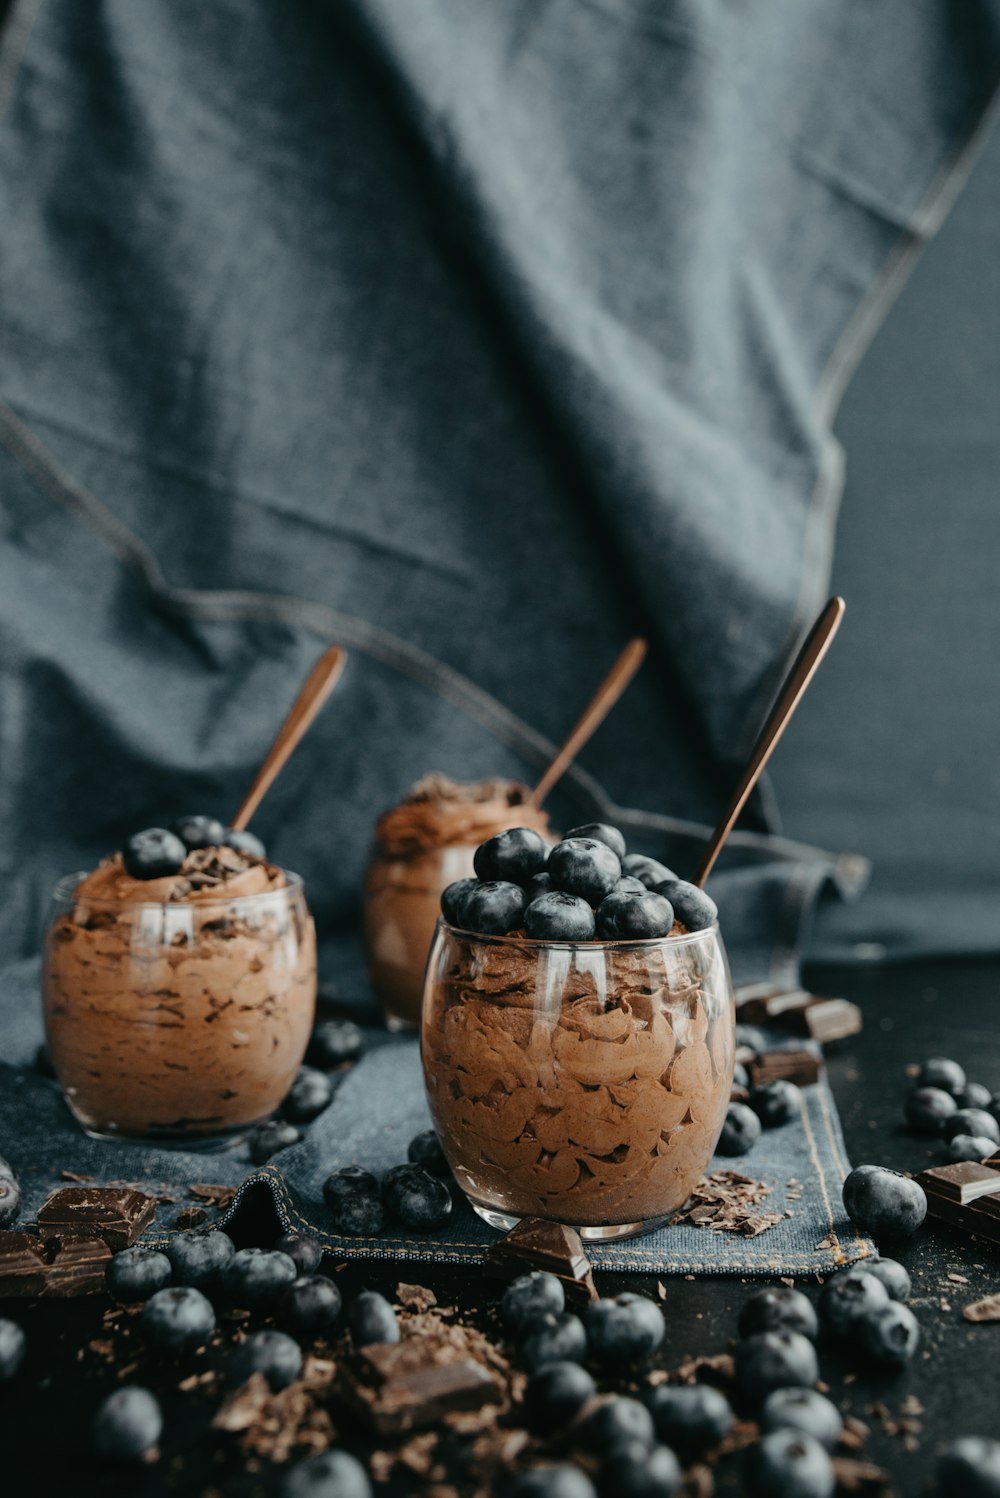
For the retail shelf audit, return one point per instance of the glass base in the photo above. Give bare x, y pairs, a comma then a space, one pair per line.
195, 1144
603, 1233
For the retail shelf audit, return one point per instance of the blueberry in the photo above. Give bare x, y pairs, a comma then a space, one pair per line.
970, 1468
13, 1345
256, 1276
774, 1360
968, 1147
127, 1424
751, 1037
10, 1200
649, 871
927, 1109
973, 1095
530, 1297
789, 1464
350, 1180
690, 1417
334, 1042
538, 884
805, 1410
849, 1296
778, 1308
359, 1217
600, 832
548, 1482
199, 832
777, 1103
740, 1131
272, 1353
153, 854
554, 1395
309, 1095
632, 1471
891, 1334
629, 885
624, 1329
695, 910
553, 1339
425, 1150
516, 854
453, 898
893, 1276
242, 841
939, 1072
418, 1199
270, 1137
372, 1319
136, 1273
310, 1307
615, 1420
178, 1318
494, 908
624, 916
331, 1474
583, 866
199, 1258
559, 917
883, 1202
305, 1252
741, 1077
974, 1121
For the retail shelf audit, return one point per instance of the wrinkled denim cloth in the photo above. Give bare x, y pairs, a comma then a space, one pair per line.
478, 338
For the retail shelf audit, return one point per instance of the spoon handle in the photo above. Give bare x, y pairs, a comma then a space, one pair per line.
594, 713
318, 685
801, 673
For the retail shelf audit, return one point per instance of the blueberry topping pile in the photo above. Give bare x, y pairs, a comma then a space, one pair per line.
415, 1195
945, 1105
866, 1304
159, 852
584, 888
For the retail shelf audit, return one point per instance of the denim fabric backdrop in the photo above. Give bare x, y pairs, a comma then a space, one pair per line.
478, 338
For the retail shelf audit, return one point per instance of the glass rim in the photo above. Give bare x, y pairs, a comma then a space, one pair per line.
64, 892
591, 944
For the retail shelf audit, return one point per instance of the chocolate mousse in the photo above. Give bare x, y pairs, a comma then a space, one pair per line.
600, 1108
179, 1006
423, 845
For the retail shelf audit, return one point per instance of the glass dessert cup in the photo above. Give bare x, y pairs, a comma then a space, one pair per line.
422, 846
179, 1023
582, 1082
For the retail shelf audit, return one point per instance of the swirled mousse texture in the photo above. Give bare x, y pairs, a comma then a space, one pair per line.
421, 846
180, 1006
584, 1084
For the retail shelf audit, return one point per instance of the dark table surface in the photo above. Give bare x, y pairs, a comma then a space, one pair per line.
910, 1013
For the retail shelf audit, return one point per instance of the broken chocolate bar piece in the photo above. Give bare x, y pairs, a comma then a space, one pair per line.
793, 1064
416, 1384
118, 1214
536, 1243
794, 1009
966, 1196
51, 1267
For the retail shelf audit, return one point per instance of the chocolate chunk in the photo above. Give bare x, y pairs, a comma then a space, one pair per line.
51, 1267
118, 1214
794, 1009
855, 1476
964, 1182
794, 1064
415, 1387
537, 1244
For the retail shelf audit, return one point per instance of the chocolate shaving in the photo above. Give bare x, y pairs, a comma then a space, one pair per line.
725, 1201
987, 1309
190, 1217
415, 1297
220, 1195
862, 1477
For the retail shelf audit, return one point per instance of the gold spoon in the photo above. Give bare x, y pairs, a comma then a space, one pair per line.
318, 685
594, 713
803, 669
